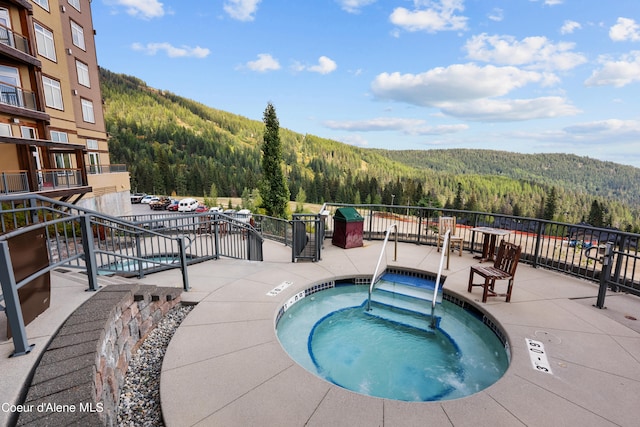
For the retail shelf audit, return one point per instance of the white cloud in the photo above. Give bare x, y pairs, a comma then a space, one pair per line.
325, 65
617, 73
172, 51
377, 124
354, 6
568, 27
625, 30
609, 128
456, 83
468, 91
357, 140
242, 10
264, 63
533, 52
145, 9
439, 15
496, 14
506, 110
406, 126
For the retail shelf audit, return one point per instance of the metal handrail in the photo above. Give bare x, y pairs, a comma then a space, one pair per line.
445, 252
395, 256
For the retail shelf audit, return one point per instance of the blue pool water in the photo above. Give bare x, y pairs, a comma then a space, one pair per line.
391, 353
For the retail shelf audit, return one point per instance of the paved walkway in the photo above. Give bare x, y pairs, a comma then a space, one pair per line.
225, 367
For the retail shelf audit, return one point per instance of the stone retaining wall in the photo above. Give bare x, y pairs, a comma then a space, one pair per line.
78, 379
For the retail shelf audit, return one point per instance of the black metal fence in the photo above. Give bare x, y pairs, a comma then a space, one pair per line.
553, 245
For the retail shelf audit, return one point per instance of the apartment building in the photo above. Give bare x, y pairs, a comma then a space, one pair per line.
53, 139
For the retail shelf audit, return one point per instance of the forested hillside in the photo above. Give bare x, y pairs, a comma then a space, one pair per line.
175, 145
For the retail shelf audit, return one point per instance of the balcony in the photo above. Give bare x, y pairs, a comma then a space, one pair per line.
14, 182
11, 38
16, 46
100, 169
17, 97
57, 179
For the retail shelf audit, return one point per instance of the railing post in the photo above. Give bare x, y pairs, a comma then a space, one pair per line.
605, 275
12, 303
370, 222
536, 251
5, 186
89, 253
183, 263
139, 255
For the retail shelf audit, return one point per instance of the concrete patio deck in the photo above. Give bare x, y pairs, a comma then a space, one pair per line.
225, 366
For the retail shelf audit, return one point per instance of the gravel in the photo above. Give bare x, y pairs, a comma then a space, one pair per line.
140, 393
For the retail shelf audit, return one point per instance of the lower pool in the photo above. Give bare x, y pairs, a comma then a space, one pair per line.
388, 352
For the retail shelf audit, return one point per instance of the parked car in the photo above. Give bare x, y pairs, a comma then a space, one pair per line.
137, 197
160, 204
201, 208
188, 205
173, 206
215, 209
148, 198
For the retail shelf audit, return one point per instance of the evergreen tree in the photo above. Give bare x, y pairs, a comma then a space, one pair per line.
596, 214
458, 203
274, 191
550, 205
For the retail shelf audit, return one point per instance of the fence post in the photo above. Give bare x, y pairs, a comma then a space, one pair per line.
89, 253
605, 275
370, 223
139, 255
536, 251
12, 303
183, 263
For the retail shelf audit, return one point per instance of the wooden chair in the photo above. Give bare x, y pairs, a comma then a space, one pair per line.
449, 223
504, 268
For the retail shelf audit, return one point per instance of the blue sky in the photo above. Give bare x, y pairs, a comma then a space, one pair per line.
528, 76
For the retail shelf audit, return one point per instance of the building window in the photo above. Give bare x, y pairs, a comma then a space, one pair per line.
28, 132
92, 144
5, 129
83, 73
62, 160
94, 163
43, 3
44, 42
75, 4
52, 93
77, 35
57, 136
87, 111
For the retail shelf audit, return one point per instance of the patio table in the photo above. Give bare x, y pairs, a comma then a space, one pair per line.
489, 243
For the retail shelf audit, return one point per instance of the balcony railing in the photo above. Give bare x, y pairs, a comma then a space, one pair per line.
13, 39
17, 97
113, 168
55, 179
14, 182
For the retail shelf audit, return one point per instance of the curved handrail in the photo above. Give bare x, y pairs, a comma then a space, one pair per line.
445, 250
395, 256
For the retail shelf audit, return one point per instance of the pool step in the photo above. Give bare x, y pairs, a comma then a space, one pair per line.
418, 292
403, 316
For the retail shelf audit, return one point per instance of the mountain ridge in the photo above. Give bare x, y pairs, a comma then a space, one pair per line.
173, 144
